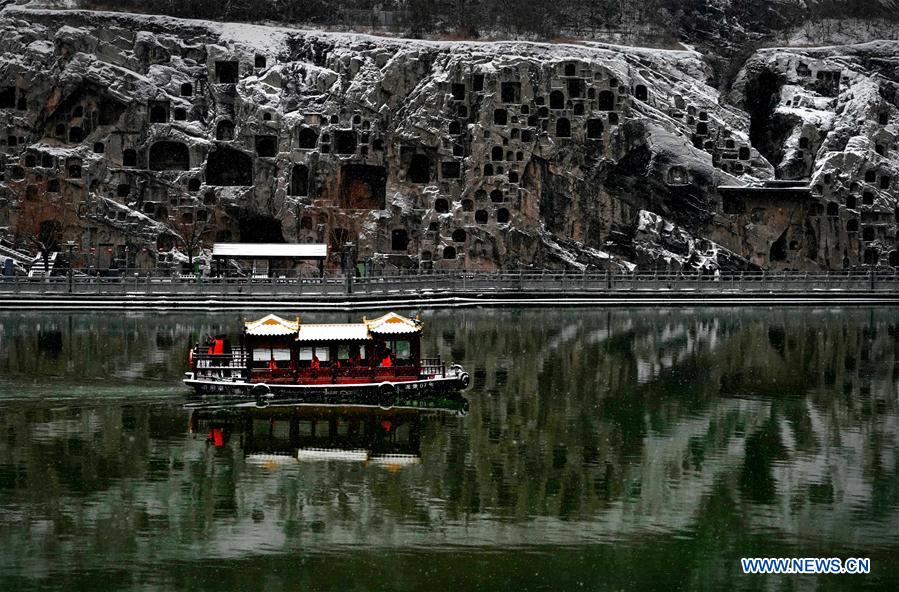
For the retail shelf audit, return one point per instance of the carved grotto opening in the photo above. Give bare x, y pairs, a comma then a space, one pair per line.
224, 131
767, 129
259, 228
299, 180
399, 239
419, 169
169, 156
226, 72
266, 146
363, 187
227, 167
307, 138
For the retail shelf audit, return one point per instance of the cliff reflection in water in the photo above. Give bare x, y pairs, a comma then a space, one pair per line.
718, 433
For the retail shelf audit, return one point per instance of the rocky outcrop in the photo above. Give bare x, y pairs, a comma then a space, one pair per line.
830, 116
159, 136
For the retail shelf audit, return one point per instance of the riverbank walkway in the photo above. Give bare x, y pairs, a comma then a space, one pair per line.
456, 288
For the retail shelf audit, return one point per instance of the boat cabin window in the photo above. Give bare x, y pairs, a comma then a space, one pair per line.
322, 353
350, 353
401, 350
401, 433
271, 429
280, 429
262, 358
307, 427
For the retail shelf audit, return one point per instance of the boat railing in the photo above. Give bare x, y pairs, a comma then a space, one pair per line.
226, 365
433, 367
334, 374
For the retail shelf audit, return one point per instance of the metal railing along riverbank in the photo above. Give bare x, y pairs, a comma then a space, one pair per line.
455, 283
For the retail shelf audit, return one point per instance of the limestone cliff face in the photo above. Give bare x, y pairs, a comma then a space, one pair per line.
163, 135
828, 115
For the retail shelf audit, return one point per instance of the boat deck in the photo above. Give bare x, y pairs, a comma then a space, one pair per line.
233, 366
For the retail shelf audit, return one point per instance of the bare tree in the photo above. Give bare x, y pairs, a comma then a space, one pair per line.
194, 229
41, 220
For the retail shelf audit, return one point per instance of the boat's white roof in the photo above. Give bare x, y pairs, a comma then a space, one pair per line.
393, 324
334, 332
389, 324
270, 326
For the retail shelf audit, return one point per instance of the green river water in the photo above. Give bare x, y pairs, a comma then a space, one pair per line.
602, 449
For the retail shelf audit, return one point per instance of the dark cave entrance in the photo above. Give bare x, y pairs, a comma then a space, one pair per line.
159, 112
419, 169
224, 131
259, 228
363, 187
605, 101
8, 98
767, 131
227, 167
299, 180
308, 138
345, 142
227, 72
399, 239
556, 100
779, 248
594, 129
266, 146
169, 156
640, 92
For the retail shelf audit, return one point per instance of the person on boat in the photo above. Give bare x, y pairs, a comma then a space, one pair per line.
216, 345
387, 362
354, 359
314, 365
272, 364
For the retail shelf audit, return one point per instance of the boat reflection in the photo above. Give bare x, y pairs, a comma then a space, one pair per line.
290, 434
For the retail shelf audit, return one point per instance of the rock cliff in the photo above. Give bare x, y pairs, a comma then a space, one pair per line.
147, 138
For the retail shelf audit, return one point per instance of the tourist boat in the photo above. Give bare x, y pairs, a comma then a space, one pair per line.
279, 360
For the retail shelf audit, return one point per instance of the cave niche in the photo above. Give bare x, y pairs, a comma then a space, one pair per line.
363, 187
226, 167
169, 156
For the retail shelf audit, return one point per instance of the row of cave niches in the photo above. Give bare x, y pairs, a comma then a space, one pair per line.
728, 154
825, 82
866, 219
325, 135
71, 167
568, 111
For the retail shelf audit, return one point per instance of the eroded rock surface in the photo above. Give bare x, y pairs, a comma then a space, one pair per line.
156, 136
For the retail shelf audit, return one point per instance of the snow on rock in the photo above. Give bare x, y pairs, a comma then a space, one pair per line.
443, 155
827, 117
662, 244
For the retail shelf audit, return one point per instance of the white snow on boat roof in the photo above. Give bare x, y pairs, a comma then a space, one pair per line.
271, 325
334, 332
388, 324
392, 324
263, 250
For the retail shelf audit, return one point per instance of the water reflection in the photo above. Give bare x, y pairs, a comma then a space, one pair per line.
668, 443
356, 433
